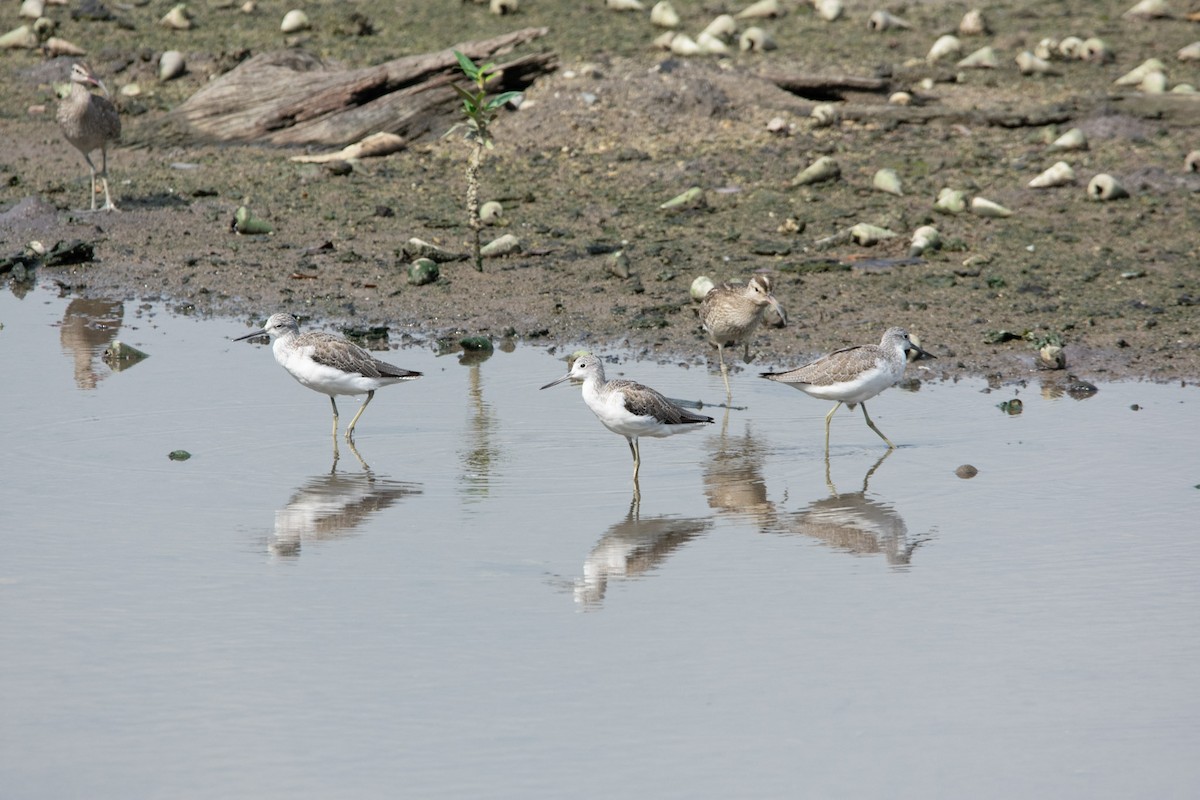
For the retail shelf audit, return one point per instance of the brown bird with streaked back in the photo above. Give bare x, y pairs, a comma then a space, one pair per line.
89, 122
730, 314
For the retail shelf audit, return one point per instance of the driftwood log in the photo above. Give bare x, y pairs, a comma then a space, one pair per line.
291, 97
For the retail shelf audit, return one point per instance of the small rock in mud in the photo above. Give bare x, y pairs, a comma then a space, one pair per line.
966, 472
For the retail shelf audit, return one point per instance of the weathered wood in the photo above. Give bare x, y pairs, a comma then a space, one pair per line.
291, 97
825, 87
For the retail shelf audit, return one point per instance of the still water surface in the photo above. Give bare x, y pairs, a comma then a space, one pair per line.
483, 612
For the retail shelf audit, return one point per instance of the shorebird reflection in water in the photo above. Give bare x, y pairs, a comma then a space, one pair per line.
629, 408
329, 364
730, 314
854, 375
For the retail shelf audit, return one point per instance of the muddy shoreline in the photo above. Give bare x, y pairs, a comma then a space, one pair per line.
583, 168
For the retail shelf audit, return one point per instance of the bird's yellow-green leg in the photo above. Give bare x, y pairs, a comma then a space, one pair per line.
872, 424
353, 422
828, 419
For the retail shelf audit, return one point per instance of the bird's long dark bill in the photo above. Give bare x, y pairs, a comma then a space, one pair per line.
251, 335
922, 354
557, 382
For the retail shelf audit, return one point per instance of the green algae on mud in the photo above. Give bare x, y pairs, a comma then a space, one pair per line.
584, 165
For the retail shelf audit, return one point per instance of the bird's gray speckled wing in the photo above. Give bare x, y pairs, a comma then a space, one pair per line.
334, 351
646, 402
837, 367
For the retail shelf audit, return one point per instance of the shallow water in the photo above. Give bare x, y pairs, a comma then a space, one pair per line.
484, 613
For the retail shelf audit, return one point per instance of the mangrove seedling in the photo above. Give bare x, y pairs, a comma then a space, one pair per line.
479, 110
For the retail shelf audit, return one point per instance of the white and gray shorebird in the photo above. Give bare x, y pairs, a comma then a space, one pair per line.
329, 364
730, 314
853, 375
629, 408
89, 122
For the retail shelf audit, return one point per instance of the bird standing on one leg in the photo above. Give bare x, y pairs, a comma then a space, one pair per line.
89, 122
730, 314
854, 375
329, 364
629, 408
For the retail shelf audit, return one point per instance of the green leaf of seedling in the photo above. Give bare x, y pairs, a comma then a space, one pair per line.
467, 65
501, 99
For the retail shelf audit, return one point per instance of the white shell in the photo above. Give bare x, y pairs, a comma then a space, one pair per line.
21, 38
701, 287
900, 99
924, 238
947, 46
623, 5
829, 10
32, 9
502, 7
983, 58
1183, 88
663, 40
502, 246
762, 8
131, 90
867, 235
824, 115
1189, 53
1057, 175
778, 125
988, 208
950, 201
1029, 64
171, 65
823, 169
684, 45
1047, 48
294, 21
1139, 73
664, 15
886, 21
1074, 139
1105, 187
886, 180
973, 24
1155, 82
1097, 51
55, 46
723, 27
711, 45
491, 212
177, 18
1148, 9
756, 39
1073, 47
1192, 162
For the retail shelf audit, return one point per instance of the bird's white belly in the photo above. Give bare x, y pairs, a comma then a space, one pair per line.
322, 378
864, 387
610, 410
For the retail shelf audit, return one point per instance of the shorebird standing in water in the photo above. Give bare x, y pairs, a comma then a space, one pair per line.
629, 408
89, 122
329, 364
853, 375
730, 314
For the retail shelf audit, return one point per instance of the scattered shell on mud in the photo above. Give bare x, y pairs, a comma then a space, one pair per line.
623, 5
829, 10
692, 198
19, 38
887, 180
823, 169
950, 201
683, 45
761, 10
171, 64
983, 58
723, 27
422, 271
867, 235
664, 15
973, 24
178, 18
502, 7
1148, 9
711, 45
1051, 356
1106, 187
55, 47
1154, 83
1059, 174
1074, 139
948, 46
32, 9
294, 21
245, 223
887, 21
1096, 51
1189, 53
757, 40
1138, 74
824, 115
416, 248
701, 287
377, 144
1029, 64
900, 99
619, 265
491, 212
501, 246
778, 125
1191, 163
924, 238
983, 207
